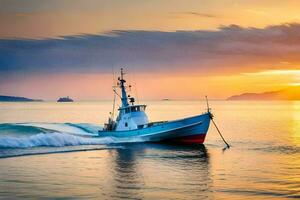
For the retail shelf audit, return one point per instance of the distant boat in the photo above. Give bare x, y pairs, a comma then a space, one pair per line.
65, 99
166, 99
132, 123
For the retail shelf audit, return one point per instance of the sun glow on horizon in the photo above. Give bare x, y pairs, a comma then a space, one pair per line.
289, 77
295, 72
176, 86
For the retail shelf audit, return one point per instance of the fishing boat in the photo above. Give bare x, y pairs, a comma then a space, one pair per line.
133, 123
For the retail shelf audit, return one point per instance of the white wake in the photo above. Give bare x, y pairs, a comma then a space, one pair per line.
51, 140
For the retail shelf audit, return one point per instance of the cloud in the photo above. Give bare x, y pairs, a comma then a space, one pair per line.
198, 14
202, 14
230, 48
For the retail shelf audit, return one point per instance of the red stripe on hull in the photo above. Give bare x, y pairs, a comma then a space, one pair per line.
192, 139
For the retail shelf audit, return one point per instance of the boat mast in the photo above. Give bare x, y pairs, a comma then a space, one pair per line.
123, 90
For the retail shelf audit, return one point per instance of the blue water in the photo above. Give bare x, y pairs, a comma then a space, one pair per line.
49, 151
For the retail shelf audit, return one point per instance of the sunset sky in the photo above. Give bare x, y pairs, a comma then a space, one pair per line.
179, 49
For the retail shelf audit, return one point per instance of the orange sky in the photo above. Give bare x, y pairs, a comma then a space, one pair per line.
52, 18
153, 86
214, 52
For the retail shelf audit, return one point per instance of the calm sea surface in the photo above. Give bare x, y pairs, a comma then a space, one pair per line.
47, 151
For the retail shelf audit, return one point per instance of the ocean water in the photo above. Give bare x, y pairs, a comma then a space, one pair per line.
48, 150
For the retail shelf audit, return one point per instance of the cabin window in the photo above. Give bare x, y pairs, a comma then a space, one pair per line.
140, 126
126, 124
135, 109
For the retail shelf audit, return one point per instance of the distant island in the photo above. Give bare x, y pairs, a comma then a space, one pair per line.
17, 99
65, 99
292, 93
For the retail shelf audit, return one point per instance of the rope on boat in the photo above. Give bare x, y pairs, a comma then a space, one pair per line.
212, 119
114, 103
227, 145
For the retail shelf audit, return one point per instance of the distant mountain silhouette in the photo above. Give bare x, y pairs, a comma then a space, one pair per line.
292, 93
16, 99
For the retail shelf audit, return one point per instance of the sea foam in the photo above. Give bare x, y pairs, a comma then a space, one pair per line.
78, 129
55, 139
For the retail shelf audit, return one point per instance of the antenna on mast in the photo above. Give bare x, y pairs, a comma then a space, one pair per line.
122, 73
122, 82
208, 108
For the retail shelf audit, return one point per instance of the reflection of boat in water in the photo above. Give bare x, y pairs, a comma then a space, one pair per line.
65, 99
132, 123
135, 174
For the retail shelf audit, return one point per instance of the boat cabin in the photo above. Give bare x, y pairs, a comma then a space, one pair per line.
131, 117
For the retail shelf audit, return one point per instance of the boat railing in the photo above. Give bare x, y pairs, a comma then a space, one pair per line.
155, 123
